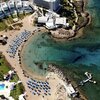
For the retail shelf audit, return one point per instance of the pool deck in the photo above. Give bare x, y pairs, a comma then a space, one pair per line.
6, 91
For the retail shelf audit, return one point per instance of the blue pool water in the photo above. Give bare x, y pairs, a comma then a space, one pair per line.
2, 86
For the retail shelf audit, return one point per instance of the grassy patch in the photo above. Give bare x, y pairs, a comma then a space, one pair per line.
4, 66
3, 26
81, 20
18, 90
15, 16
9, 20
27, 14
15, 78
21, 16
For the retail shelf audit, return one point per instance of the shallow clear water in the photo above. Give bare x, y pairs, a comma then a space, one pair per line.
78, 56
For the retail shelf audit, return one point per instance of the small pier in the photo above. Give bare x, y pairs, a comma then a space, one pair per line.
89, 79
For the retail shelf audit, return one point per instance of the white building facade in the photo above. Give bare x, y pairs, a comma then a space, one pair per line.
48, 4
11, 6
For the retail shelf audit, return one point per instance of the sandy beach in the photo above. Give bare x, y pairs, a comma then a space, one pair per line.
59, 87
14, 62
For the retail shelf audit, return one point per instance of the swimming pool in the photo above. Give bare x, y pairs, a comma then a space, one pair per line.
2, 86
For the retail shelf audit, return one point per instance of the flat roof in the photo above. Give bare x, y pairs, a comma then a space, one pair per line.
25, 3
70, 89
3, 5
0, 8
50, 24
61, 20
50, 0
11, 3
42, 19
18, 3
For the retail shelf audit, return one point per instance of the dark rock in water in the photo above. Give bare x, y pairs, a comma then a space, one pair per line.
49, 33
78, 58
39, 65
45, 68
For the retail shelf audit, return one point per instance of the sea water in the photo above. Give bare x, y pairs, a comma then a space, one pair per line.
78, 56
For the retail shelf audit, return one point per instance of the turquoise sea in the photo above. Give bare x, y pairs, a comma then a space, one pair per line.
77, 56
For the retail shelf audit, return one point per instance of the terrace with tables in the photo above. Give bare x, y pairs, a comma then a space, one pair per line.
3, 39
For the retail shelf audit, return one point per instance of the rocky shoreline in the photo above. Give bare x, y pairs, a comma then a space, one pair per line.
56, 69
81, 13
